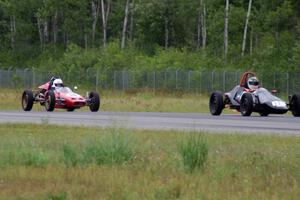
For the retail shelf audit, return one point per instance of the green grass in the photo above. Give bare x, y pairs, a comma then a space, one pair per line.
130, 101
54, 162
193, 151
117, 147
119, 101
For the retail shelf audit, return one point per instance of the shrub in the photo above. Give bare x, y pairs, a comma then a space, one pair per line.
26, 157
70, 155
193, 151
35, 158
116, 147
61, 196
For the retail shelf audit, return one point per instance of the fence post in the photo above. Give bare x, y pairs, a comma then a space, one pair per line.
224, 81
200, 85
33, 77
189, 80
287, 84
274, 82
87, 74
115, 79
24, 77
165, 81
105, 80
11, 77
123, 80
212, 80
176, 77
97, 79
154, 81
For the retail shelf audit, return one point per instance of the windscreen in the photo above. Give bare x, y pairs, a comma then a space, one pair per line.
64, 90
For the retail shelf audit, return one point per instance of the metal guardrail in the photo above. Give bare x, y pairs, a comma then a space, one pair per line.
188, 81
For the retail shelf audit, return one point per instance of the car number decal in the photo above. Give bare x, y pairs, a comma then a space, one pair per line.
278, 104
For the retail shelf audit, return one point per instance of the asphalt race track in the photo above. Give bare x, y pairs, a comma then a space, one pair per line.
280, 124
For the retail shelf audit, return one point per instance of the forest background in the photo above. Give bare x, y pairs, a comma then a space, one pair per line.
150, 34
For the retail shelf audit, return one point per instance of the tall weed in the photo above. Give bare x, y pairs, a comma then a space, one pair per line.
26, 157
194, 151
116, 147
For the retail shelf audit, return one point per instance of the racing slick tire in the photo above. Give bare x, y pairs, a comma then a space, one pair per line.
50, 101
246, 104
27, 100
94, 103
295, 105
216, 103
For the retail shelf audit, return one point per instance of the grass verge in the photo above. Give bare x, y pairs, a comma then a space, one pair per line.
119, 101
144, 164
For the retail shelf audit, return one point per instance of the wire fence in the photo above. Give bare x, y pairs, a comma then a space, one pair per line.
170, 80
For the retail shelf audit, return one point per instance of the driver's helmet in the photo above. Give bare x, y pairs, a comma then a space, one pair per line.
57, 83
253, 83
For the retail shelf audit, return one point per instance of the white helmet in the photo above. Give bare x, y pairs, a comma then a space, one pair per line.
253, 83
57, 83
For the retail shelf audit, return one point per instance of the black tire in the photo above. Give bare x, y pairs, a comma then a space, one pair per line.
94, 103
246, 104
50, 101
70, 109
27, 100
264, 114
295, 105
216, 103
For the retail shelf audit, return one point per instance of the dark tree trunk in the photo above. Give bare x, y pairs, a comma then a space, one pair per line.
125, 25
201, 33
54, 28
95, 15
13, 32
246, 28
41, 35
204, 31
226, 30
131, 20
105, 12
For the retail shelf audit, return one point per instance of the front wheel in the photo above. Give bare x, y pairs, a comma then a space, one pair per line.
50, 101
216, 103
295, 105
246, 104
27, 100
94, 101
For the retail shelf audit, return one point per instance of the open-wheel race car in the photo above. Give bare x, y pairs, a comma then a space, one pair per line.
249, 96
54, 94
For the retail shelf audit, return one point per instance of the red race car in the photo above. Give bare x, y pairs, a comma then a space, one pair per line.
54, 94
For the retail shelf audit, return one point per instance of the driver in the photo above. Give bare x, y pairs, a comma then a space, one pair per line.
253, 83
57, 83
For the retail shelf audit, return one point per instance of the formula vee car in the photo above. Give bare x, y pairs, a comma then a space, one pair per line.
249, 96
53, 95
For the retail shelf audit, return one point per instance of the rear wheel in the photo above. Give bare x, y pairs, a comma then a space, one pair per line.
295, 105
216, 103
246, 104
94, 101
27, 100
50, 101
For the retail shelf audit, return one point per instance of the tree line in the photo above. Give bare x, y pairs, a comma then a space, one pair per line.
215, 33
